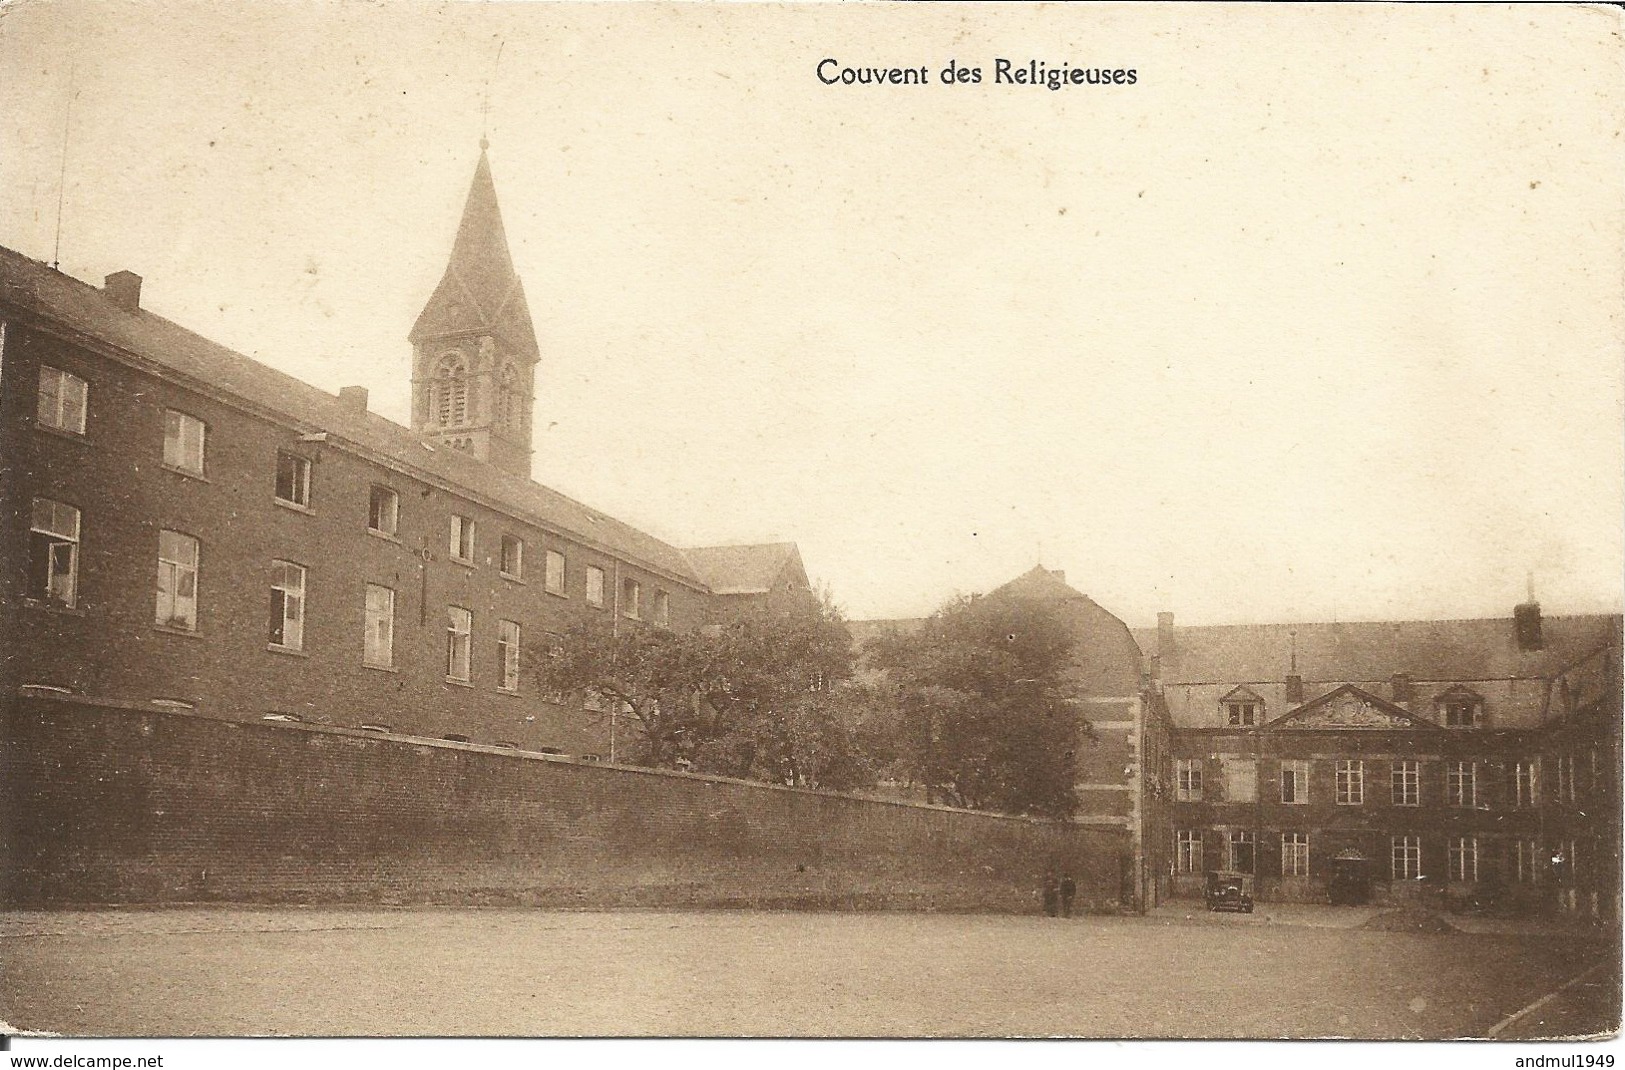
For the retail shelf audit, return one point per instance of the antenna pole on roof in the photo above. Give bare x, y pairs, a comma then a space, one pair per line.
485, 105
62, 173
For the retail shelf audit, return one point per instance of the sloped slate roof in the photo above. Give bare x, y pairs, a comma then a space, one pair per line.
1041, 584
1105, 660
1375, 650
747, 569
86, 310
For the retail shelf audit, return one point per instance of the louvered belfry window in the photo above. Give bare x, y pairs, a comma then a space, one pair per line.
450, 401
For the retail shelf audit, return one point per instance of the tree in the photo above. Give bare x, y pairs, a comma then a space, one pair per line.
651, 673
985, 718
756, 697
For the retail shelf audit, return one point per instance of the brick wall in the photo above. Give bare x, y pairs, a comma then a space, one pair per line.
108, 645
113, 802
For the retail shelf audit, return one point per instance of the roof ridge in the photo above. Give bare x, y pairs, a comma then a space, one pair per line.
1407, 620
327, 412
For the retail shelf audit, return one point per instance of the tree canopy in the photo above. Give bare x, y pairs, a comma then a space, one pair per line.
755, 697
986, 721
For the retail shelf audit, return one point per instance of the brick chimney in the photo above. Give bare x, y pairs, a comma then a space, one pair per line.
1165, 637
353, 398
1526, 623
124, 287
1401, 684
1294, 688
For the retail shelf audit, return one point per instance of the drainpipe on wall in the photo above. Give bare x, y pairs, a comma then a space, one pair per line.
614, 631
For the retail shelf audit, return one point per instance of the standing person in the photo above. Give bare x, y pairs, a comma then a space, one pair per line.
1069, 889
1051, 892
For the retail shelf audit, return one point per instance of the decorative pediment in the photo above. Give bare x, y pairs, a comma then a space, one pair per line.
1243, 694
1351, 707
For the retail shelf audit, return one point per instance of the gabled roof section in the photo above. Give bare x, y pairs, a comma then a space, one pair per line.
1040, 583
1350, 707
161, 347
1484, 649
1243, 694
480, 291
747, 569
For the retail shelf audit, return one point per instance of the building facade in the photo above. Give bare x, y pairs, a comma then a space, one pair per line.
187, 527
1467, 763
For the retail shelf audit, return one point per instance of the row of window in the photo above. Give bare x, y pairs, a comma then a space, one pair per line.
1405, 856
1404, 782
53, 568
383, 514
64, 400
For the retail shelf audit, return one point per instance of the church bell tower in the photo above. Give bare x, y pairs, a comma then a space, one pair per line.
474, 350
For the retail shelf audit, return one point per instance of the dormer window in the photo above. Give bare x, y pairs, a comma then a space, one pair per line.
448, 403
1242, 708
1460, 707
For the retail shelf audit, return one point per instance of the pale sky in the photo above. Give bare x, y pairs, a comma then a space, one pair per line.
1319, 319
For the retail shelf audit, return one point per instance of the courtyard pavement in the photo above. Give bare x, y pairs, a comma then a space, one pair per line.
1303, 971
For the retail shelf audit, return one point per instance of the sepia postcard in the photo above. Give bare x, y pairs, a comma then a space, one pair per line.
810, 520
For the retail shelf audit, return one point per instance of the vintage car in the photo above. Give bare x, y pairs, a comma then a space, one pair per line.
1229, 891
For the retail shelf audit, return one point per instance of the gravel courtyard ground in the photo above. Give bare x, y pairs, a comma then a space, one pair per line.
234, 972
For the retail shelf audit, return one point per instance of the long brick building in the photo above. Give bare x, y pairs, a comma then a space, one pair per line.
186, 527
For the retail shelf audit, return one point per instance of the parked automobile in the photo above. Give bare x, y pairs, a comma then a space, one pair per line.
1229, 891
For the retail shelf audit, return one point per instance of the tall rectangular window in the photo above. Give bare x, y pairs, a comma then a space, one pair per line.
1406, 783
292, 479
459, 641
1525, 859
183, 441
1240, 779
379, 639
287, 605
1240, 845
461, 546
53, 553
1350, 782
1295, 782
1188, 779
63, 399
553, 572
1461, 785
177, 580
663, 609
1405, 858
383, 511
1294, 854
508, 655
513, 557
595, 586
1188, 851
631, 599
1463, 858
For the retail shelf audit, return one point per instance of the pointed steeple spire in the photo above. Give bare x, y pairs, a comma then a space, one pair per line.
480, 292
474, 350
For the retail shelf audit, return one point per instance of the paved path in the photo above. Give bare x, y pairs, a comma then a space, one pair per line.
209, 971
